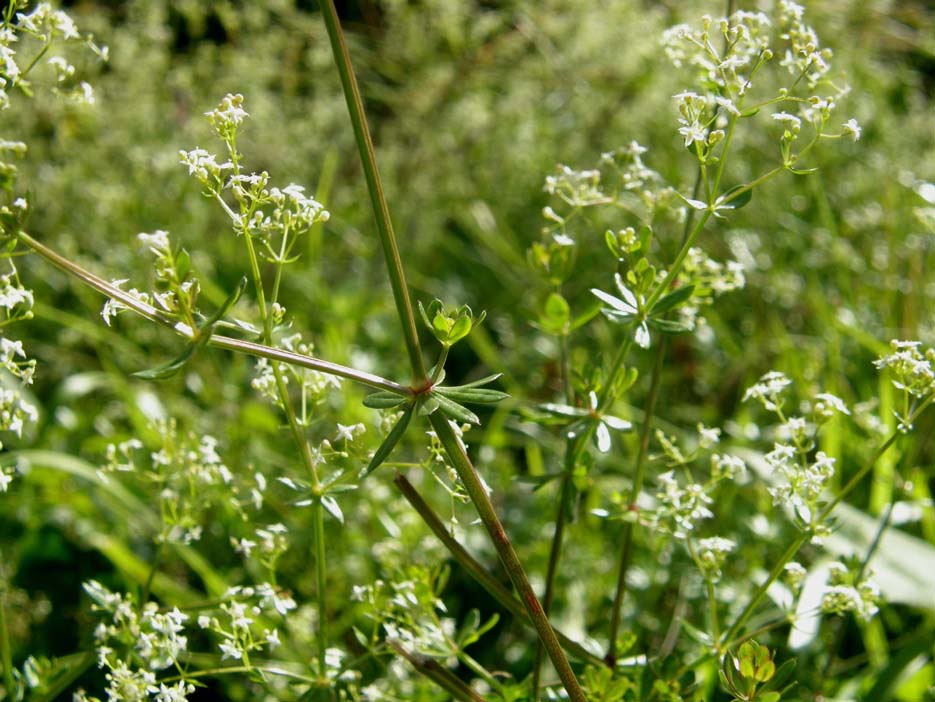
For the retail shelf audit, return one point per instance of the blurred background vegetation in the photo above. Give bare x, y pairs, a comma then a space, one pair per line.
473, 103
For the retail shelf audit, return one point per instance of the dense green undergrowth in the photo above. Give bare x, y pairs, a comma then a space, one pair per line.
670, 360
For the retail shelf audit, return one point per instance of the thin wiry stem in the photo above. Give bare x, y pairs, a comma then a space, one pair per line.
626, 548
224, 342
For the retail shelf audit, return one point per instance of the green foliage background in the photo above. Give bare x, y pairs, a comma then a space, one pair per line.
472, 103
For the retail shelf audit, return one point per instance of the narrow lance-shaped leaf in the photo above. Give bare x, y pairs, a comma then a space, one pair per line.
453, 410
476, 396
389, 443
735, 202
384, 399
674, 298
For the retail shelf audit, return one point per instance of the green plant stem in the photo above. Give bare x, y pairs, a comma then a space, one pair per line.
223, 342
444, 678
626, 547
452, 445
565, 496
477, 571
6, 652
301, 442
478, 494
318, 536
394, 266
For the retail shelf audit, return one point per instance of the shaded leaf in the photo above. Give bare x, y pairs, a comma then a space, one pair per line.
384, 399
674, 298
389, 443
455, 411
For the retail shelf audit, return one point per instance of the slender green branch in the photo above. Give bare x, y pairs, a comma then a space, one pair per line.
626, 548
558, 536
248, 347
318, 536
6, 653
394, 265
868, 465
301, 442
440, 675
478, 494
477, 571
780, 563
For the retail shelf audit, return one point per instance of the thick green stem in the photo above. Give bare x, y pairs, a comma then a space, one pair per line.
452, 445
394, 266
477, 571
626, 548
478, 494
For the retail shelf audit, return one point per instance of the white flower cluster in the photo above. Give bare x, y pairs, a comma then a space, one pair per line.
227, 117
680, 507
844, 593
265, 212
746, 36
913, 371
712, 553
234, 623
204, 167
134, 644
114, 307
189, 473
801, 482
768, 389
710, 278
313, 385
412, 615
16, 411
576, 188
803, 55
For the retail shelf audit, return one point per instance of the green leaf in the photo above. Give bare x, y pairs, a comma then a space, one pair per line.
477, 383
428, 406
384, 399
202, 336
182, 263
740, 201
556, 314
453, 410
674, 298
389, 443
169, 368
460, 329
224, 308
475, 396
330, 504
669, 326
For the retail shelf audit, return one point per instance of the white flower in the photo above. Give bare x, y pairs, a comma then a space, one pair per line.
693, 132
852, 129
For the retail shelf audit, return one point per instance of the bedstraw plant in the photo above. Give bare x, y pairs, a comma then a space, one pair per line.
627, 265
